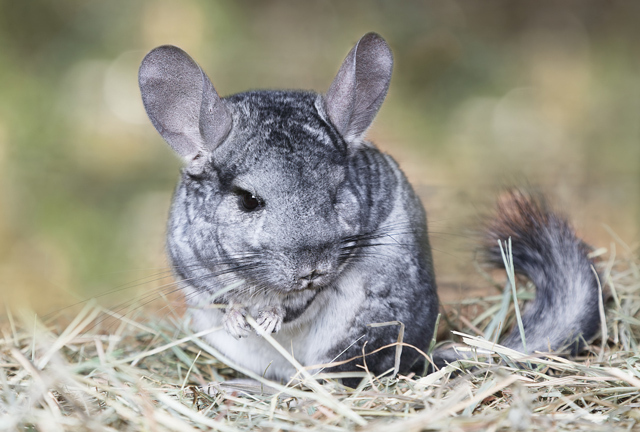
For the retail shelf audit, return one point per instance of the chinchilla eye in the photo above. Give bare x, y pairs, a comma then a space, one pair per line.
249, 201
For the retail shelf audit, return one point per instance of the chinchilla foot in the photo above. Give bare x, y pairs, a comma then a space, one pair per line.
234, 322
270, 320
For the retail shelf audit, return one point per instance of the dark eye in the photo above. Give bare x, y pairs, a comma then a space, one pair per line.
249, 201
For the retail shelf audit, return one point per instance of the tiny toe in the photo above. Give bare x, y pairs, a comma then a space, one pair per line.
235, 324
270, 326
269, 321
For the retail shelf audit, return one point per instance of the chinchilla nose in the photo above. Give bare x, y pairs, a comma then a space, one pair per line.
309, 276
313, 267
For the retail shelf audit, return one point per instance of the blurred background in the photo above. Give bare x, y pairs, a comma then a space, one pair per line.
484, 94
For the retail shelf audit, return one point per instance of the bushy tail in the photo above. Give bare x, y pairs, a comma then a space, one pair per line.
564, 313
547, 251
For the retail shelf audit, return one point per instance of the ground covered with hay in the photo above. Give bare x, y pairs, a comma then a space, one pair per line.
129, 374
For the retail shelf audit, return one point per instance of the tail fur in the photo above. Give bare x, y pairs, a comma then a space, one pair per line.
564, 313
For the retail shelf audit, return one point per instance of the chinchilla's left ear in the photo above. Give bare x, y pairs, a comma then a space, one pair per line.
361, 85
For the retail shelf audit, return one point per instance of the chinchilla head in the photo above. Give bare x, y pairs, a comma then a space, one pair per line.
266, 197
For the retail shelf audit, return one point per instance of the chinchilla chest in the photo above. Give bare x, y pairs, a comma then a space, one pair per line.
313, 338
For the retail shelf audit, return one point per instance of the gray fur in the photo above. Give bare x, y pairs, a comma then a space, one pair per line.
545, 249
285, 213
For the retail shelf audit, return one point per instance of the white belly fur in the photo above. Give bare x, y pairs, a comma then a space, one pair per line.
309, 337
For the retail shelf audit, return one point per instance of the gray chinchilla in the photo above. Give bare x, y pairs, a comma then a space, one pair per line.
286, 213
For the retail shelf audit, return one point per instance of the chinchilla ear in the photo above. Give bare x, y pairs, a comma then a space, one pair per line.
361, 85
182, 103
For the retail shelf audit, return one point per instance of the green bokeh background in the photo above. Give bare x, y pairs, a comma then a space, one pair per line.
484, 93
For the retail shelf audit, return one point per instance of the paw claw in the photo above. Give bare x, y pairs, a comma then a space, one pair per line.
270, 320
235, 324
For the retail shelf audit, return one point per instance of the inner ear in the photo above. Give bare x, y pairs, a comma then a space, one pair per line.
359, 88
182, 103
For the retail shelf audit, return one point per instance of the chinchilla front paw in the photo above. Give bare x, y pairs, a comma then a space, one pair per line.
234, 322
270, 320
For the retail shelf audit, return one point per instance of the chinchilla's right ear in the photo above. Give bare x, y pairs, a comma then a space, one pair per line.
359, 88
182, 103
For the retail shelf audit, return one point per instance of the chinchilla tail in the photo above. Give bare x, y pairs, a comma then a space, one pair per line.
565, 312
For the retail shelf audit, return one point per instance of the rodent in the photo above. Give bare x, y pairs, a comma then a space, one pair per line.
285, 212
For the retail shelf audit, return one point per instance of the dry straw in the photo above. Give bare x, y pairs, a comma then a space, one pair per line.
158, 376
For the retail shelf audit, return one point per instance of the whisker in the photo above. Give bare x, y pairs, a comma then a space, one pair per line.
129, 285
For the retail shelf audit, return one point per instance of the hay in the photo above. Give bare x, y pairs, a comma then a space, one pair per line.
154, 374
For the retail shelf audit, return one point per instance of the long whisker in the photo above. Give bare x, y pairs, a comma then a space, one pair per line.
128, 306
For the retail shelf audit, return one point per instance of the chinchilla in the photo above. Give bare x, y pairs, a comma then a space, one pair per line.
285, 212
